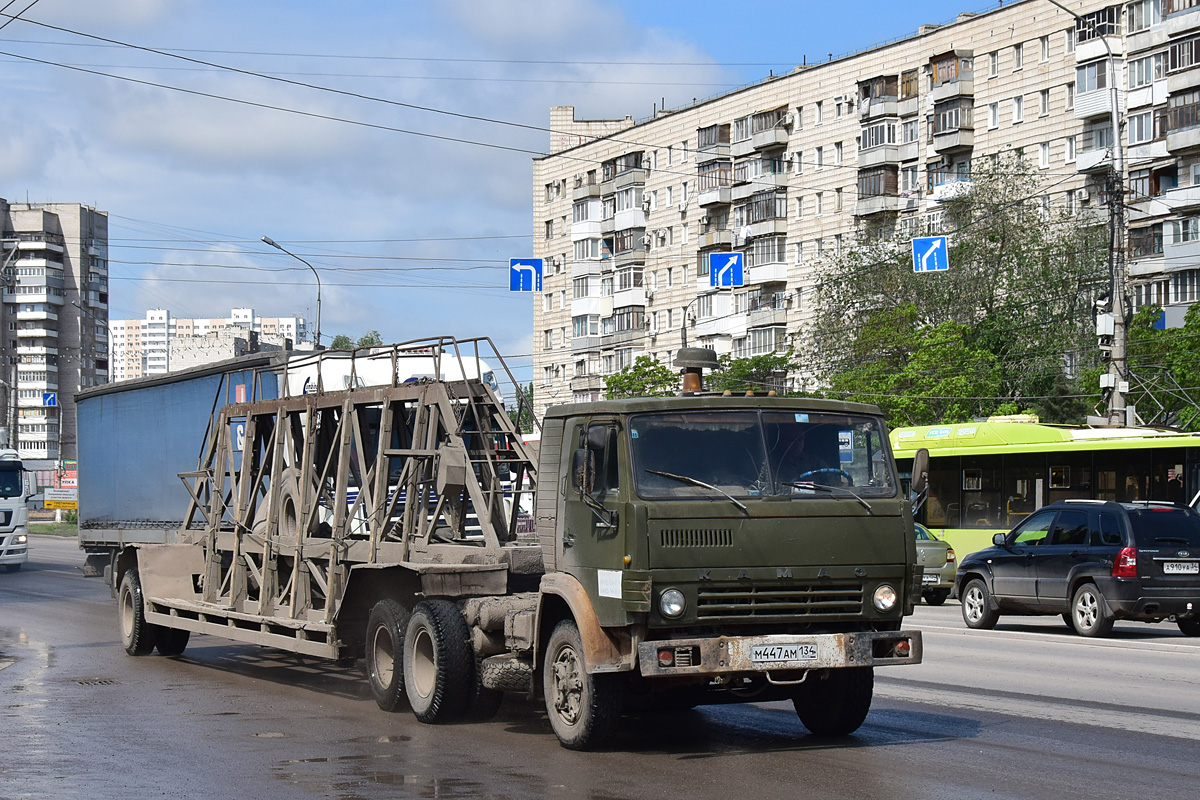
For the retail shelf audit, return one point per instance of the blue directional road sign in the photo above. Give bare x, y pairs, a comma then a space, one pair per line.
49, 399
726, 269
524, 274
930, 254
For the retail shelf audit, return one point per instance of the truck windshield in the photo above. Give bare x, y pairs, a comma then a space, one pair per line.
756, 453
10, 480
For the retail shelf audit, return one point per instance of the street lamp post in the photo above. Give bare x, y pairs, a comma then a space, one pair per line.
268, 240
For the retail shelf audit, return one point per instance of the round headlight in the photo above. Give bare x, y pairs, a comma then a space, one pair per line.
671, 603
885, 598
21, 538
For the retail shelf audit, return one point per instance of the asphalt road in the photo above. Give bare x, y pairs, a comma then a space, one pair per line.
1026, 711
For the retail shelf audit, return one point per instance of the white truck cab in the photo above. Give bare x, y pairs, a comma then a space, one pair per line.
14, 513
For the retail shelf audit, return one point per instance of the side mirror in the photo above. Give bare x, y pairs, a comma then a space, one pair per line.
583, 471
998, 539
920, 471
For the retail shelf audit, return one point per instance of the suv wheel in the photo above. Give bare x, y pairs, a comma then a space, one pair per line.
977, 609
1189, 627
1089, 612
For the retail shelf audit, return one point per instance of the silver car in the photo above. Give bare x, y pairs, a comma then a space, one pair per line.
939, 561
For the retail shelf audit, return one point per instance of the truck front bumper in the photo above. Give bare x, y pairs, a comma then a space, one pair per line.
729, 655
14, 547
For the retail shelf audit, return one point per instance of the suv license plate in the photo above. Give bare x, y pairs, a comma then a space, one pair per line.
927, 578
764, 653
1181, 567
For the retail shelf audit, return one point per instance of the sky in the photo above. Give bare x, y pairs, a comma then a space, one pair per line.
301, 125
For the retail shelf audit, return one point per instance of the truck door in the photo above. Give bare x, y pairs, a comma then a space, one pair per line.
593, 543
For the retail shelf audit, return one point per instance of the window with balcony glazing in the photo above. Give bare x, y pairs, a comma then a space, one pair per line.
712, 136
1183, 110
713, 175
1105, 22
1142, 14
877, 135
878, 181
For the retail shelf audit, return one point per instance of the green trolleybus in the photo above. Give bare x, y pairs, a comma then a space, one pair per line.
985, 477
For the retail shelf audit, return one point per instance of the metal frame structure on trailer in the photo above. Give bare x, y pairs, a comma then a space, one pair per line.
274, 537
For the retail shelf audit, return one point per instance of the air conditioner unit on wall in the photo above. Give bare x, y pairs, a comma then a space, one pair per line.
647, 240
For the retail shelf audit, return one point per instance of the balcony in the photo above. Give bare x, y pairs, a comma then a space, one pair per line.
635, 256
774, 272
718, 195
879, 204
1181, 21
598, 306
1095, 48
1150, 151
1091, 105
36, 333
953, 141
768, 227
36, 350
962, 87
909, 150
630, 218
584, 190
36, 315
716, 152
1181, 252
1094, 160
770, 138
33, 242
875, 107
715, 239
907, 106
630, 177
583, 344
764, 317
1184, 198
588, 229
625, 337
878, 156
743, 148
587, 383
950, 189
633, 296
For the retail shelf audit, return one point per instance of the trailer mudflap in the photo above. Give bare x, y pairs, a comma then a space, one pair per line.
774, 653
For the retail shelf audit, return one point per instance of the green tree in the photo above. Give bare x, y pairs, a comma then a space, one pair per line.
645, 377
1165, 369
1008, 325
759, 373
371, 338
521, 413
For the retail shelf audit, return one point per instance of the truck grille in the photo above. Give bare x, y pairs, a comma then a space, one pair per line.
807, 601
698, 537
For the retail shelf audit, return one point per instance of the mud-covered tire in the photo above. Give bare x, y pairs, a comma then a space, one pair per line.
386, 628
977, 609
937, 597
584, 709
836, 704
484, 702
1189, 627
137, 635
171, 641
1089, 613
439, 665
509, 676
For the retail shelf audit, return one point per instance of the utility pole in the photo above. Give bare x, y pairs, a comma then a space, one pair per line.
1118, 369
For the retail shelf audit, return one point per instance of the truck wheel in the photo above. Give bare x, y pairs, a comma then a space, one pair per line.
385, 653
936, 597
171, 641
484, 702
1189, 627
439, 665
583, 708
138, 635
837, 704
1089, 614
977, 606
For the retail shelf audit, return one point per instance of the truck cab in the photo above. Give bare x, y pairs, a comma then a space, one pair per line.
15, 489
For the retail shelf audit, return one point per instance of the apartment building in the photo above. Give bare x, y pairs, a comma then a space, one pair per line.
792, 170
54, 259
161, 342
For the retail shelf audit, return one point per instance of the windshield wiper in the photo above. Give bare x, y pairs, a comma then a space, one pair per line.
824, 487
694, 482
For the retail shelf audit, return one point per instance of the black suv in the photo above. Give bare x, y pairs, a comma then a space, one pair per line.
1093, 562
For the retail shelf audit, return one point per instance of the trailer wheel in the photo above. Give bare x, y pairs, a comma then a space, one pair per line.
385, 653
837, 704
137, 635
171, 641
584, 709
439, 665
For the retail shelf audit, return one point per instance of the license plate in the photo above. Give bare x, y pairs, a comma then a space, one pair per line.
929, 579
783, 652
1181, 567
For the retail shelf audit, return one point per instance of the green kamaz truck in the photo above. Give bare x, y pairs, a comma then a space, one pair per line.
654, 553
